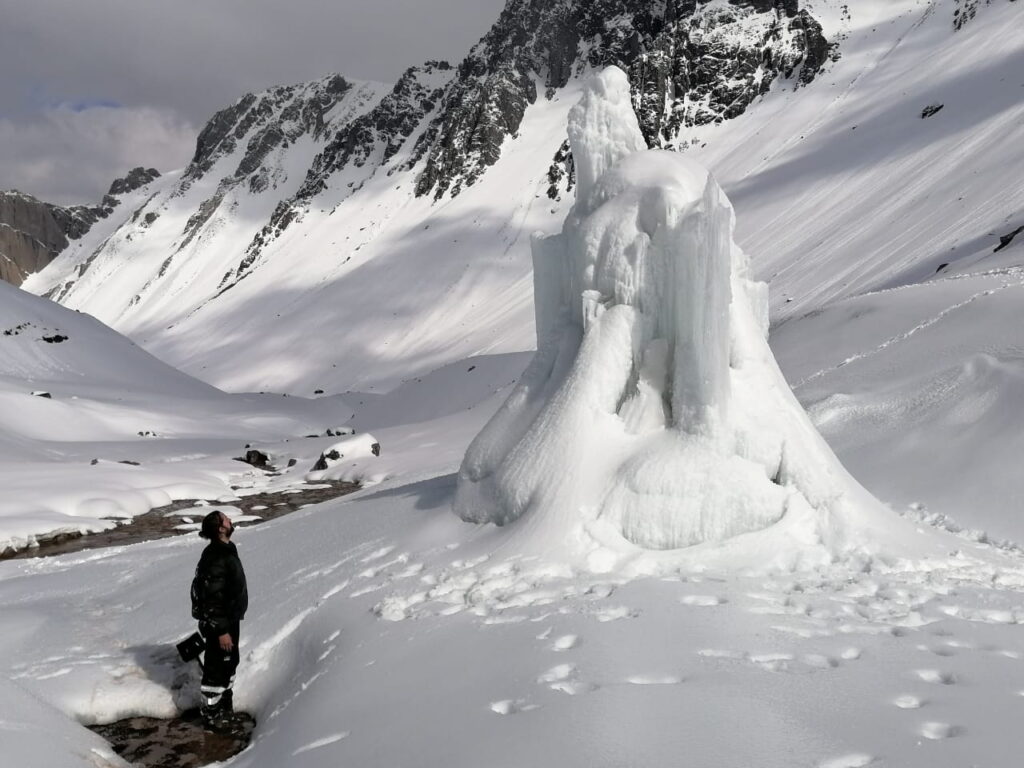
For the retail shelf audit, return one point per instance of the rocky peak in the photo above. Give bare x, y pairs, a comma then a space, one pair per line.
369, 141
33, 232
135, 178
690, 62
265, 121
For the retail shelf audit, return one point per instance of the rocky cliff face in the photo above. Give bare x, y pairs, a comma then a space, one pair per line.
33, 233
690, 62
30, 238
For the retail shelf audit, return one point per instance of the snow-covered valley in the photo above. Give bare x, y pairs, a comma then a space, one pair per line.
386, 631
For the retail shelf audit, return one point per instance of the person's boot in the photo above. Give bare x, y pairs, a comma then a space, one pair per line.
215, 718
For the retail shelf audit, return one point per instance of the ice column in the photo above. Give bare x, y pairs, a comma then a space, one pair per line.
654, 405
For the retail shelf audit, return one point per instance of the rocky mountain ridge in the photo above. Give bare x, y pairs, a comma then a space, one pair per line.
689, 63
33, 232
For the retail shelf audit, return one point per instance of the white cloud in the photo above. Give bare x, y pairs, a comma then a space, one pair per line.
185, 59
70, 155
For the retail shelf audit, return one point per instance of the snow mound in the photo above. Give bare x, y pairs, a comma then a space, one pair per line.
654, 416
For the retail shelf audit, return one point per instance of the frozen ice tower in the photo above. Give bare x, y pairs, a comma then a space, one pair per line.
654, 409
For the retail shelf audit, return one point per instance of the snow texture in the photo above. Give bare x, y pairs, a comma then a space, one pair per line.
654, 406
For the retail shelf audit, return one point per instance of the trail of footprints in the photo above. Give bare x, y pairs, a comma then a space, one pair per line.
844, 605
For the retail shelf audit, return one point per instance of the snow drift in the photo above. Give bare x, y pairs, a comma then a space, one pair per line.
654, 407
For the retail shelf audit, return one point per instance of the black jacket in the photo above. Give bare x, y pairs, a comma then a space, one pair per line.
219, 593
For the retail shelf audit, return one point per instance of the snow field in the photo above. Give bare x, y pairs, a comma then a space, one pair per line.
386, 604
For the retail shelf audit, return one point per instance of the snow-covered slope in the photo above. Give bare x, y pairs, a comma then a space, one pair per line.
78, 401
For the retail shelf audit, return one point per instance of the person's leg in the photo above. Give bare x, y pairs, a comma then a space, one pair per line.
217, 674
230, 665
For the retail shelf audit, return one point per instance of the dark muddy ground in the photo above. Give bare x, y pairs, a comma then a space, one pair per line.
161, 522
177, 743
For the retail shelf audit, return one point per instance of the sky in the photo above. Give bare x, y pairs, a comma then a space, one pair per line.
93, 88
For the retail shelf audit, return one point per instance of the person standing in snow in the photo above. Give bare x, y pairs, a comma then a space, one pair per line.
219, 601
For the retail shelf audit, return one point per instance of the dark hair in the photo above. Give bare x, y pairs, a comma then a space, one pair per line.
211, 526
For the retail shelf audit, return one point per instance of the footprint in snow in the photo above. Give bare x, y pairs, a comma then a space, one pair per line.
719, 653
615, 613
565, 643
600, 591
856, 760
772, 662
936, 677
563, 678
819, 661
573, 687
512, 706
907, 701
937, 731
558, 673
938, 650
703, 601
654, 680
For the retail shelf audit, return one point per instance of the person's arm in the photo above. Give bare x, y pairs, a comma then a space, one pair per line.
216, 596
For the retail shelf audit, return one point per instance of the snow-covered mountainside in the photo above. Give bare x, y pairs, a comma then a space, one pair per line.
299, 190
316, 203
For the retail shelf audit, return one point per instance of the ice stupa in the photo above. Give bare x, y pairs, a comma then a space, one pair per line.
654, 410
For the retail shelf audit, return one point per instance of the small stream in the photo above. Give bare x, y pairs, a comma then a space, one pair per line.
162, 522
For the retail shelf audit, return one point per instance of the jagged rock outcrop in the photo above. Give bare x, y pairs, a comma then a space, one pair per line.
711, 66
371, 140
268, 122
33, 232
964, 11
690, 62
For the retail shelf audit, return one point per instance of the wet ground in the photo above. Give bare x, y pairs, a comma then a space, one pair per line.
167, 521
177, 743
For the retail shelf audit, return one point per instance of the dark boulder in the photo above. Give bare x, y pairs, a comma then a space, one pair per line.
258, 459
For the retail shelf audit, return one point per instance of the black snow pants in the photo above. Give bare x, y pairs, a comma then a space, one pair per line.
219, 670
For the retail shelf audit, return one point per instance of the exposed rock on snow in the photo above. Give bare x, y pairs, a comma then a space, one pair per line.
359, 446
258, 459
654, 407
